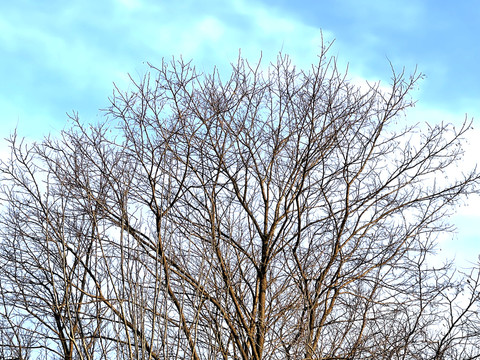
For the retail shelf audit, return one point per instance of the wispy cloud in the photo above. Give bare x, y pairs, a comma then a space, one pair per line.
61, 56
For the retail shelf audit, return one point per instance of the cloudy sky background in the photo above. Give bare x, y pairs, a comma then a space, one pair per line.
58, 57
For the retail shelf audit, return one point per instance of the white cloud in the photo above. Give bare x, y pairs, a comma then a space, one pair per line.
129, 4
217, 36
464, 244
211, 29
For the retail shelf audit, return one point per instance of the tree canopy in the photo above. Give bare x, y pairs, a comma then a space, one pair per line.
276, 214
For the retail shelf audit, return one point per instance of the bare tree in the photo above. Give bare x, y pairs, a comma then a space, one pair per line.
281, 214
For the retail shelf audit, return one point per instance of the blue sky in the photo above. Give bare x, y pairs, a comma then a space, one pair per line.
59, 56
